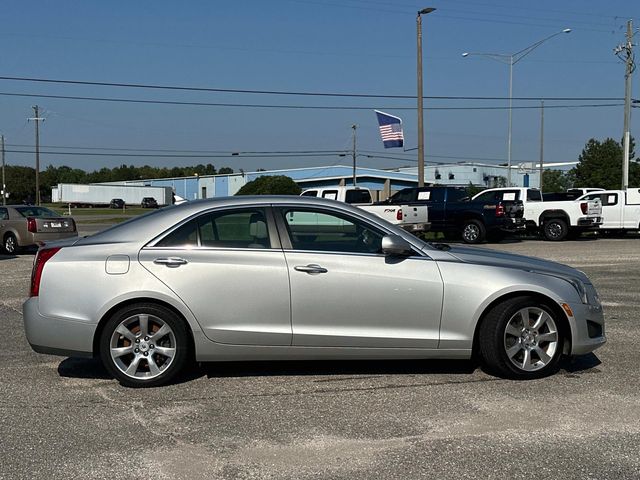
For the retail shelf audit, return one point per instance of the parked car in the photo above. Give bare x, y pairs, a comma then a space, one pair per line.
454, 214
149, 202
28, 225
116, 203
239, 278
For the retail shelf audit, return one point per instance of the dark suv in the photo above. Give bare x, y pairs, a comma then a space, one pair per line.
149, 202
116, 203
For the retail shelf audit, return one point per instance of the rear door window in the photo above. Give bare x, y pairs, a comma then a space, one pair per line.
227, 229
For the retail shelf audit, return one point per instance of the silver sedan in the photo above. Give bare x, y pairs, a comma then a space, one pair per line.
278, 278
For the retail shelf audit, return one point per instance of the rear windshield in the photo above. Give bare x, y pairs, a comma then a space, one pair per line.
357, 196
37, 212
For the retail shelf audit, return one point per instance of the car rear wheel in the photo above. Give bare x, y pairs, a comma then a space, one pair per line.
10, 244
521, 338
144, 345
555, 229
473, 231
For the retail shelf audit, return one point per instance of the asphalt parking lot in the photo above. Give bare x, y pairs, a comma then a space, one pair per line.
64, 418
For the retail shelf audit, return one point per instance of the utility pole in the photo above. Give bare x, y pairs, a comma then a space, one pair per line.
4, 186
541, 141
37, 120
625, 53
353, 152
424, 11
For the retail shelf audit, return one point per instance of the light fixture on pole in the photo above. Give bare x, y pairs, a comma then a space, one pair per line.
424, 11
511, 59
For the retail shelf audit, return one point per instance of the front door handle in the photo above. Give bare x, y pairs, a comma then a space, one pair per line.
311, 268
171, 262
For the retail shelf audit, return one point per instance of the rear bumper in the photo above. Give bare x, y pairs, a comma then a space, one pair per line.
514, 225
56, 336
590, 223
417, 227
40, 238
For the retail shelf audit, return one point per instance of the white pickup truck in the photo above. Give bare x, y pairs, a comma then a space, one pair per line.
411, 218
620, 208
553, 219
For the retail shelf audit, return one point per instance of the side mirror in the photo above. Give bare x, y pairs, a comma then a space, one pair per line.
396, 245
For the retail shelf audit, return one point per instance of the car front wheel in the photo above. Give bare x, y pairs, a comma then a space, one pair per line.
144, 345
521, 338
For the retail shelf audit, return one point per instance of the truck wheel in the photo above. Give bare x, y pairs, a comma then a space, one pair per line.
473, 231
555, 229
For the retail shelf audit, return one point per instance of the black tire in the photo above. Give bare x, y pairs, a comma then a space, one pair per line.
497, 344
473, 232
10, 244
555, 229
143, 375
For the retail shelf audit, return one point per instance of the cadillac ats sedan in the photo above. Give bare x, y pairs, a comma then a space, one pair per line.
27, 225
282, 278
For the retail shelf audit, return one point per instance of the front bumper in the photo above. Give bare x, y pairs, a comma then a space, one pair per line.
56, 336
587, 328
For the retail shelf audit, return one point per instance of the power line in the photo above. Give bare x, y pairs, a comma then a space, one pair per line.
290, 92
162, 155
313, 107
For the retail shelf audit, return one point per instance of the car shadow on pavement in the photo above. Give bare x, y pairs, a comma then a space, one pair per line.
92, 368
7, 257
336, 367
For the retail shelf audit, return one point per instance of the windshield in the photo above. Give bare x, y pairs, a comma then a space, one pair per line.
37, 212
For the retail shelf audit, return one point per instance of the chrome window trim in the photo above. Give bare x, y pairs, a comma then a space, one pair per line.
274, 239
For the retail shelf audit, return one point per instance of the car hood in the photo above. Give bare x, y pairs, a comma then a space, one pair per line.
485, 256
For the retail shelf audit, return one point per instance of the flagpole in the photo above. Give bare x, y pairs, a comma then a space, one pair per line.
354, 154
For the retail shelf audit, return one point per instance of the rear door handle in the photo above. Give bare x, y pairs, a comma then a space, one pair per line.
311, 268
171, 262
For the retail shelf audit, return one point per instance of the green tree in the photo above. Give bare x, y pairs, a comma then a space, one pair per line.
270, 185
556, 181
600, 165
225, 171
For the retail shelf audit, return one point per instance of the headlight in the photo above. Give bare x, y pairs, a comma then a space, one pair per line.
576, 283
580, 288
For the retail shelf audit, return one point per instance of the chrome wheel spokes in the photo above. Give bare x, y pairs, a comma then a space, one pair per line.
143, 346
531, 339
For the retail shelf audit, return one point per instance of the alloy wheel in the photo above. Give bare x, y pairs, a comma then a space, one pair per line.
143, 346
471, 233
531, 339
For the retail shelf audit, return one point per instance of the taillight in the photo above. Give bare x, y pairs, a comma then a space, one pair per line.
399, 214
500, 210
42, 257
584, 206
31, 225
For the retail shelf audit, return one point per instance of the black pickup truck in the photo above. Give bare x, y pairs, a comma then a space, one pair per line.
452, 212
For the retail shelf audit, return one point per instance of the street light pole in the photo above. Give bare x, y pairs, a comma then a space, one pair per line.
511, 59
420, 95
353, 153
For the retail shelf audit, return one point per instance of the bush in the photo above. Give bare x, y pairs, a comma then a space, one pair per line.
271, 185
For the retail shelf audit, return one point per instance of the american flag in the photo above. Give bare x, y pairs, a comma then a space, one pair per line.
390, 130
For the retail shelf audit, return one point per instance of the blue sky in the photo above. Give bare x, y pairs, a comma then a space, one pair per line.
337, 46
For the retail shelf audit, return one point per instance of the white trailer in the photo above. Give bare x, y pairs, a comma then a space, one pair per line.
100, 195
